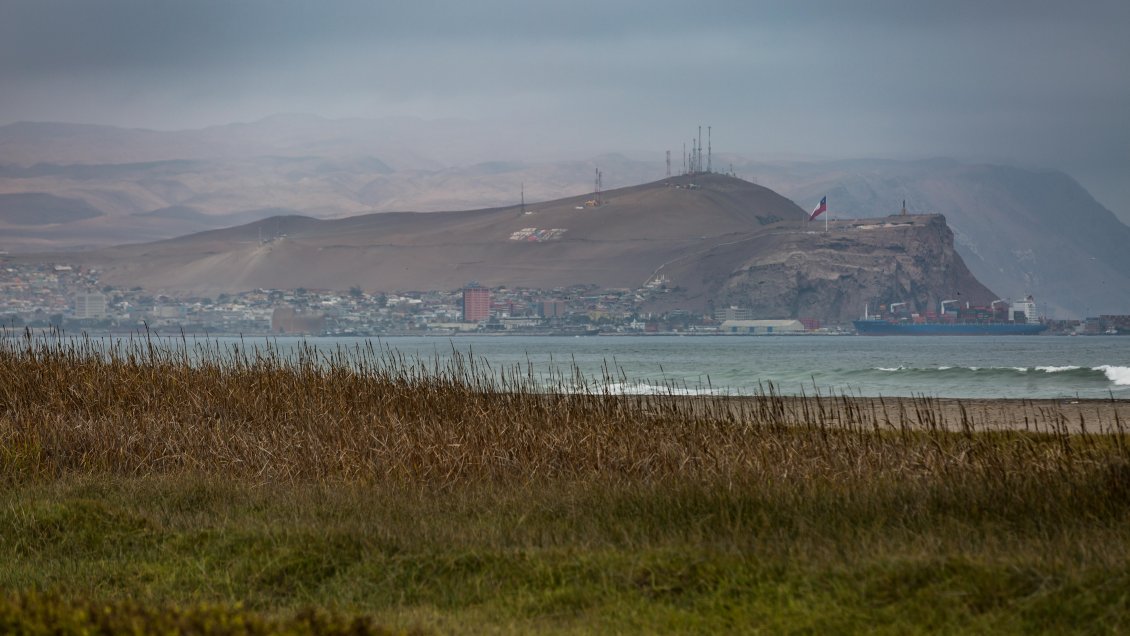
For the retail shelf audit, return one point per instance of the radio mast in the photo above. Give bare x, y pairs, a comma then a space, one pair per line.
698, 152
708, 148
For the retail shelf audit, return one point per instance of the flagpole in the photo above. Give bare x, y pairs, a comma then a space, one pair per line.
821, 209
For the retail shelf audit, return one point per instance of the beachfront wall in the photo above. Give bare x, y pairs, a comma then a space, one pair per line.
761, 327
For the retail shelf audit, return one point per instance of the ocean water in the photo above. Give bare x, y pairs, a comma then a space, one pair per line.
969, 367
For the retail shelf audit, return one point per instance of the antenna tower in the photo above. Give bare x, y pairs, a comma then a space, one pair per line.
708, 148
523, 198
668, 164
698, 152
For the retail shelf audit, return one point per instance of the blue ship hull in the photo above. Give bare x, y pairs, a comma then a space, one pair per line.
884, 328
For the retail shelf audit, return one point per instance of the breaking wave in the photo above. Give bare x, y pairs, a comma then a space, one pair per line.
1042, 381
1118, 376
642, 388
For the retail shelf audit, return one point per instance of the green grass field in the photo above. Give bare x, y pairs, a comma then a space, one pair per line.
146, 490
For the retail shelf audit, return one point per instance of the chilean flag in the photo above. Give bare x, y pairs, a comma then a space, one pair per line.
820, 209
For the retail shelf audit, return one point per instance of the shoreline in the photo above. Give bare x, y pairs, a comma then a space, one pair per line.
176, 332
1041, 415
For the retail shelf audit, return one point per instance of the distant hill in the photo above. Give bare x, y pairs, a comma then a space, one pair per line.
405, 143
39, 208
1021, 231
617, 244
189, 214
707, 237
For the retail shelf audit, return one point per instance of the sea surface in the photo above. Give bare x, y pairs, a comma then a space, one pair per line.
948, 366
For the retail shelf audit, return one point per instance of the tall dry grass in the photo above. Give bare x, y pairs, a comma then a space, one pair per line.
368, 414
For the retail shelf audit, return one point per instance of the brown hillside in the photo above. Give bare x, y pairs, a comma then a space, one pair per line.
714, 240
618, 244
40, 208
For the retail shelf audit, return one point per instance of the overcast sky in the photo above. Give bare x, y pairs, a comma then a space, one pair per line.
1033, 82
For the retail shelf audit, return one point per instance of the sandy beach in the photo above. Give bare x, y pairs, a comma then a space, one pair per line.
1074, 416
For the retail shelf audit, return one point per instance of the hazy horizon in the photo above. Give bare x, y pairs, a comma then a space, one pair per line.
1026, 83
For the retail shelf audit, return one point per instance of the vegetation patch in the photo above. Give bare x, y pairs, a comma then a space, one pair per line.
48, 614
147, 488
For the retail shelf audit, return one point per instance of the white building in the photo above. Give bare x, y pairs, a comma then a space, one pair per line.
90, 306
733, 313
761, 327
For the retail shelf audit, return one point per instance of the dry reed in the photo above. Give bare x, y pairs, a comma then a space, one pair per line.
368, 414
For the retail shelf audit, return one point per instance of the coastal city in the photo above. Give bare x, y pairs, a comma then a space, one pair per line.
73, 299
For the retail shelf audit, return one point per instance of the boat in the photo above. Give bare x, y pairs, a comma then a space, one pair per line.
880, 327
970, 321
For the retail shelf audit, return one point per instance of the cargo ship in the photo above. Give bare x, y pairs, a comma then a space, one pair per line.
880, 327
1015, 319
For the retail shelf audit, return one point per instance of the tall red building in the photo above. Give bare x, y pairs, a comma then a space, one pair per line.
476, 303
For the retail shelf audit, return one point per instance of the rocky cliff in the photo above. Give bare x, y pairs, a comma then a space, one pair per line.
805, 272
1021, 231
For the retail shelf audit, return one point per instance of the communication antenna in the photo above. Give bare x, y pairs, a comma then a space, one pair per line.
668, 164
698, 152
684, 157
523, 198
708, 149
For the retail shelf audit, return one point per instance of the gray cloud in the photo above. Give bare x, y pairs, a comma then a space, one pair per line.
1032, 81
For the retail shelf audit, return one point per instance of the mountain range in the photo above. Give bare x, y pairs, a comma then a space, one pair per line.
1021, 231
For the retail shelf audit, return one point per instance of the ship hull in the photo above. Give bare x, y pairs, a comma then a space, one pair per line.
884, 328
